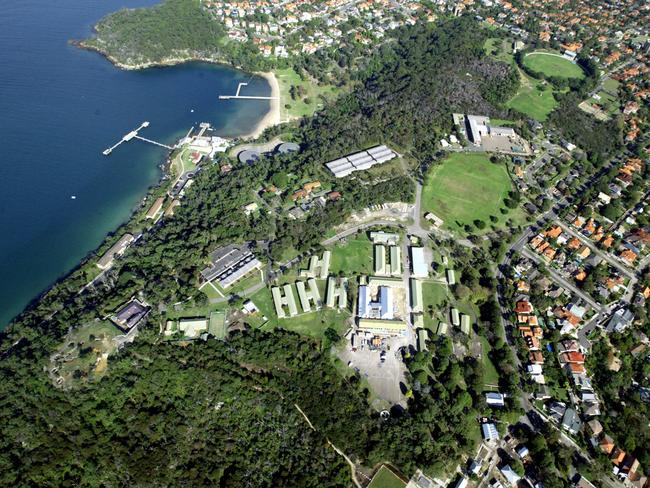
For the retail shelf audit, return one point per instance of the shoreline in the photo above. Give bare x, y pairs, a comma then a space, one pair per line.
270, 119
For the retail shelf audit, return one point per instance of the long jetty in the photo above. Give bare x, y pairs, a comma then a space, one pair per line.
134, 135
244, 97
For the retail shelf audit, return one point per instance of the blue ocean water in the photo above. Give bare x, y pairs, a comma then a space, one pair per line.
60, 107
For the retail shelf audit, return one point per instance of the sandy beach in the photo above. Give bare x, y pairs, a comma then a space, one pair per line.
272, 117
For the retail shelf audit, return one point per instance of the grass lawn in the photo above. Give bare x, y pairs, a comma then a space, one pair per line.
312, 91
210, 292
534, 98
182, 162
217, 324
190, 310
249, 281
433, 294
355, 256
491, 376
500, 49
551, 64
311, 324
610, 85
385, 478
466, 187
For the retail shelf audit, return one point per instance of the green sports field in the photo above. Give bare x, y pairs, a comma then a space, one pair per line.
465, 187
534, 98
355, 256
551, 64
385, 478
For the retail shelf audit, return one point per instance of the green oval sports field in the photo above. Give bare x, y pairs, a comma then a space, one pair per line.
550, 64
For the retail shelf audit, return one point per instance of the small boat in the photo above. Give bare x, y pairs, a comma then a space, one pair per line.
73, 197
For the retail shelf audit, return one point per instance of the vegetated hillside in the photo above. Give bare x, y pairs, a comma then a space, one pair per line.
208, 414
173, 29
155, 417
598, 139
409, 98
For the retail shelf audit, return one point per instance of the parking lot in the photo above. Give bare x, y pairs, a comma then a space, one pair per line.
386, 378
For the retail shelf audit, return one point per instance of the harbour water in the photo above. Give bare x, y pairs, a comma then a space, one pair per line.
60, 107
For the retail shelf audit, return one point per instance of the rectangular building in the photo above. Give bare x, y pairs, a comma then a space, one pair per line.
380, 260
302, 295
130, 315
442, 328
465, 324
230, 264
193, 328
117, 249
455, 317
155, 209
417, 303
382, 327
360, 161
418, 263
313, 290
395, 260
451, 277
325, 265
291, 301
278, 302
423, 336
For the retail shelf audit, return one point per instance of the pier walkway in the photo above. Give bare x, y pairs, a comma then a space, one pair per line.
244, 97
134, 134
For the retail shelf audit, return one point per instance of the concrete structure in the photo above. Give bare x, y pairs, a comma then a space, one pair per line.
155, 209
284, 298
193, 328
395, 261
462, 483
385, 238
392, 282
477, 127
318, 268
382, 327
337, 294
302, 295
417, 302
248, 157
451, 277
465, 324
443, 327
423, 336
418, 263
287, 147
360, 161
278, 302
314, 294
382, 308
230, 264
434, 219
380, 260
417, 319
480, 132
291, 301
495, 399
116, 250
490, 432
130, 315
455, 317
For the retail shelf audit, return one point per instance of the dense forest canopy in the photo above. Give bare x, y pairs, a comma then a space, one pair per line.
216, 413
174, 28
